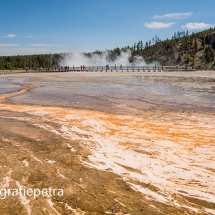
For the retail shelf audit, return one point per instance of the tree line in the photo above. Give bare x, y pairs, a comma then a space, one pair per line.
30, 61
197, 49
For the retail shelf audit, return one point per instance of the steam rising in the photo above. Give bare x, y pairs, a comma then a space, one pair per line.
101, 59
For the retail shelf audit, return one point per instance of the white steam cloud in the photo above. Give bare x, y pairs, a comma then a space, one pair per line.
77, 59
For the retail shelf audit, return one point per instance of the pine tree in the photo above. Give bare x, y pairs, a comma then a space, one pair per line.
141, 45
196, 45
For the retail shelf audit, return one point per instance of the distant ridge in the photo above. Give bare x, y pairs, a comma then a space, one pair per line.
197, 49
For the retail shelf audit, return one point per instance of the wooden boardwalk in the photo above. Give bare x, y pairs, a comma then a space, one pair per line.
118, 69
107, 69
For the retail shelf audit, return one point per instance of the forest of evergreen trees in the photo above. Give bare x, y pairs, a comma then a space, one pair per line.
197, 49
30, 61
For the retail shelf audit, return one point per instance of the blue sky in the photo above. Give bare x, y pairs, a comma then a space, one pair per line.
53, 26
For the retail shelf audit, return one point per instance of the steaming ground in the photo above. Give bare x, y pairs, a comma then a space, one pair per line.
104, 58
117, 143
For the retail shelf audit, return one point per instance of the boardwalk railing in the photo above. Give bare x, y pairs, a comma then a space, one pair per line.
113, 69
118, 69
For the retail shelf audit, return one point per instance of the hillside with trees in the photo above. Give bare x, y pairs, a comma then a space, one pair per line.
196, 49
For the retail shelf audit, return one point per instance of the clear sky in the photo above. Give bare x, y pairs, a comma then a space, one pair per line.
53, 26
